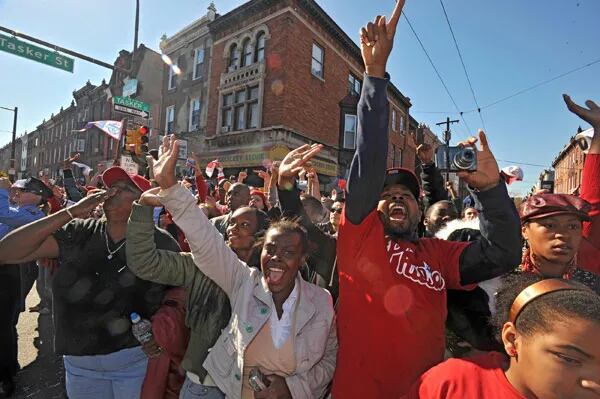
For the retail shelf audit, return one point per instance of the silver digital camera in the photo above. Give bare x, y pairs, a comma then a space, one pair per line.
257, 380
456, 159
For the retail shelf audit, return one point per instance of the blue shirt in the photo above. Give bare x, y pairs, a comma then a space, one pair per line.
13, 217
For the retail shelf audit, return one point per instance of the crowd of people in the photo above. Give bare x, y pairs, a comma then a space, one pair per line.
385, 289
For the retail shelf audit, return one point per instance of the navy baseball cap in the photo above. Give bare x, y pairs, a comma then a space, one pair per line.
404, 177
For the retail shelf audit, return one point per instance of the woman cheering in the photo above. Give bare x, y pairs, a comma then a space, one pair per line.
281, 326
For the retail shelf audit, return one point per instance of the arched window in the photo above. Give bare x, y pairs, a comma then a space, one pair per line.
233, 56
248, 53
260, 47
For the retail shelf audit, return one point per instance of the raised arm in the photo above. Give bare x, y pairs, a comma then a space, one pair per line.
367, 171
590, 184
499, 249
152, 264
215, 259
34, 240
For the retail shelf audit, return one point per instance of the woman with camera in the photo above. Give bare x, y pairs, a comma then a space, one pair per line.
281, 340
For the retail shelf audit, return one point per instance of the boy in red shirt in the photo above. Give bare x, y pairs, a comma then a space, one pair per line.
549, 329
392, 304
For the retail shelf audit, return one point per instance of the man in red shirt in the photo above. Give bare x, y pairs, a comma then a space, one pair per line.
392, 305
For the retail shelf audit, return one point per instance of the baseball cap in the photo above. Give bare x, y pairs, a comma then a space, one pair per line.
545, 204
116, 173
404, 177
34, 186
512, 174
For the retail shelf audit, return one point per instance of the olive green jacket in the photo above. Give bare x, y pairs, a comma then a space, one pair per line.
208, 308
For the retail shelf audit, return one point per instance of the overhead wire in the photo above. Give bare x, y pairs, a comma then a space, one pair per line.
437, 73
519, 92
462, 61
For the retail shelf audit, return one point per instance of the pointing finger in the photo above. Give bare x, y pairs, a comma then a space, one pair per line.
393, 23
573, 107
483, 140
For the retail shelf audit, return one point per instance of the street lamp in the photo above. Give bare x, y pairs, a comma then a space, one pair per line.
12, 172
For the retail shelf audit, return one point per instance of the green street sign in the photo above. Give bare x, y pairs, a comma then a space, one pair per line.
131, 103
17, 47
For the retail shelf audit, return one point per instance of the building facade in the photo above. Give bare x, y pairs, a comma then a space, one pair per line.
283, 74
568, 168
185, 96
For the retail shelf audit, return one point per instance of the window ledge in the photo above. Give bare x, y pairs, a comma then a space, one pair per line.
318, 77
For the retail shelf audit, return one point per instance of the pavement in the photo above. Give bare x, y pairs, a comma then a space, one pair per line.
42, 373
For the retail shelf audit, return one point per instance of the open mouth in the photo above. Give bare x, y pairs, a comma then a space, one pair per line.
274, 275
398, 213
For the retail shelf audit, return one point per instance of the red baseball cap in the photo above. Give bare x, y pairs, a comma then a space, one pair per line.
116, 173
404, 177
542, 205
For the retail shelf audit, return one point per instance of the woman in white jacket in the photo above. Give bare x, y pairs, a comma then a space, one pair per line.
280, 324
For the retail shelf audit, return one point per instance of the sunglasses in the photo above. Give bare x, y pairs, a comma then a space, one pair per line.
337, 210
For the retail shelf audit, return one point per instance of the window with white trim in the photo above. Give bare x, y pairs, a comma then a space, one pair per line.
198, 62
349, 132
248, 57
354, 85
394, 126
172, 83
402, 125
240, 110
317, 61
170, 119
194, 123
233, 57
260, 46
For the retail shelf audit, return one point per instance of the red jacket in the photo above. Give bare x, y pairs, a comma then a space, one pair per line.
589, 251
164, 376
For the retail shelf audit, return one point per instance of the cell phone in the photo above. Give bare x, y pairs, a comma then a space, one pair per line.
257, 380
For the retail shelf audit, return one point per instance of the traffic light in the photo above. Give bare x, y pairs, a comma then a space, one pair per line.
142, 140
131, 140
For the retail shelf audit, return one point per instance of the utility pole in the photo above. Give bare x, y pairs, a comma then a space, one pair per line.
12, 170
447, 138
137, 24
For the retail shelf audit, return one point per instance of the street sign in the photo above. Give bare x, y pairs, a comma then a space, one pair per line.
131, 103
26, 50
131, 111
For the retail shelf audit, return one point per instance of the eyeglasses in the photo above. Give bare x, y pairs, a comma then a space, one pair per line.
337, 210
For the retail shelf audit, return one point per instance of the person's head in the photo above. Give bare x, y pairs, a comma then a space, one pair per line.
127, 189
470, 213
30, 191
336, 214
438, 214
237, 195
552, 226
327, 202
258, 200
399, 204
550, 331
246, 224
314, 209
284, 252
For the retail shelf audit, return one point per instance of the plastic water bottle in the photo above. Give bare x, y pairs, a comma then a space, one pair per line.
141, 328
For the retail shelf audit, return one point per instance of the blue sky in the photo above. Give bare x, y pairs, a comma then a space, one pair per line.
507, 46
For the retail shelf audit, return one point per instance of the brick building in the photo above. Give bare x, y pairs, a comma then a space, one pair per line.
184, 97
283, 74
568, 166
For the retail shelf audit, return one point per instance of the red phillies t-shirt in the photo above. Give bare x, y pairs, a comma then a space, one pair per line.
478, 377
392, 308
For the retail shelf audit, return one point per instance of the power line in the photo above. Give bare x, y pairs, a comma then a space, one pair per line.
437, 72
462, 61
517, 93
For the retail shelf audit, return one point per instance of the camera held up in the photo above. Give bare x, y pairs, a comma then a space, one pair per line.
456, 159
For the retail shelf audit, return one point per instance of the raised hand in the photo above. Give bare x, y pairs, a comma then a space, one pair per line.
294, 162
591, 114
164, 168
83, 208
488, 174
69, 161
377, 40
425, 153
